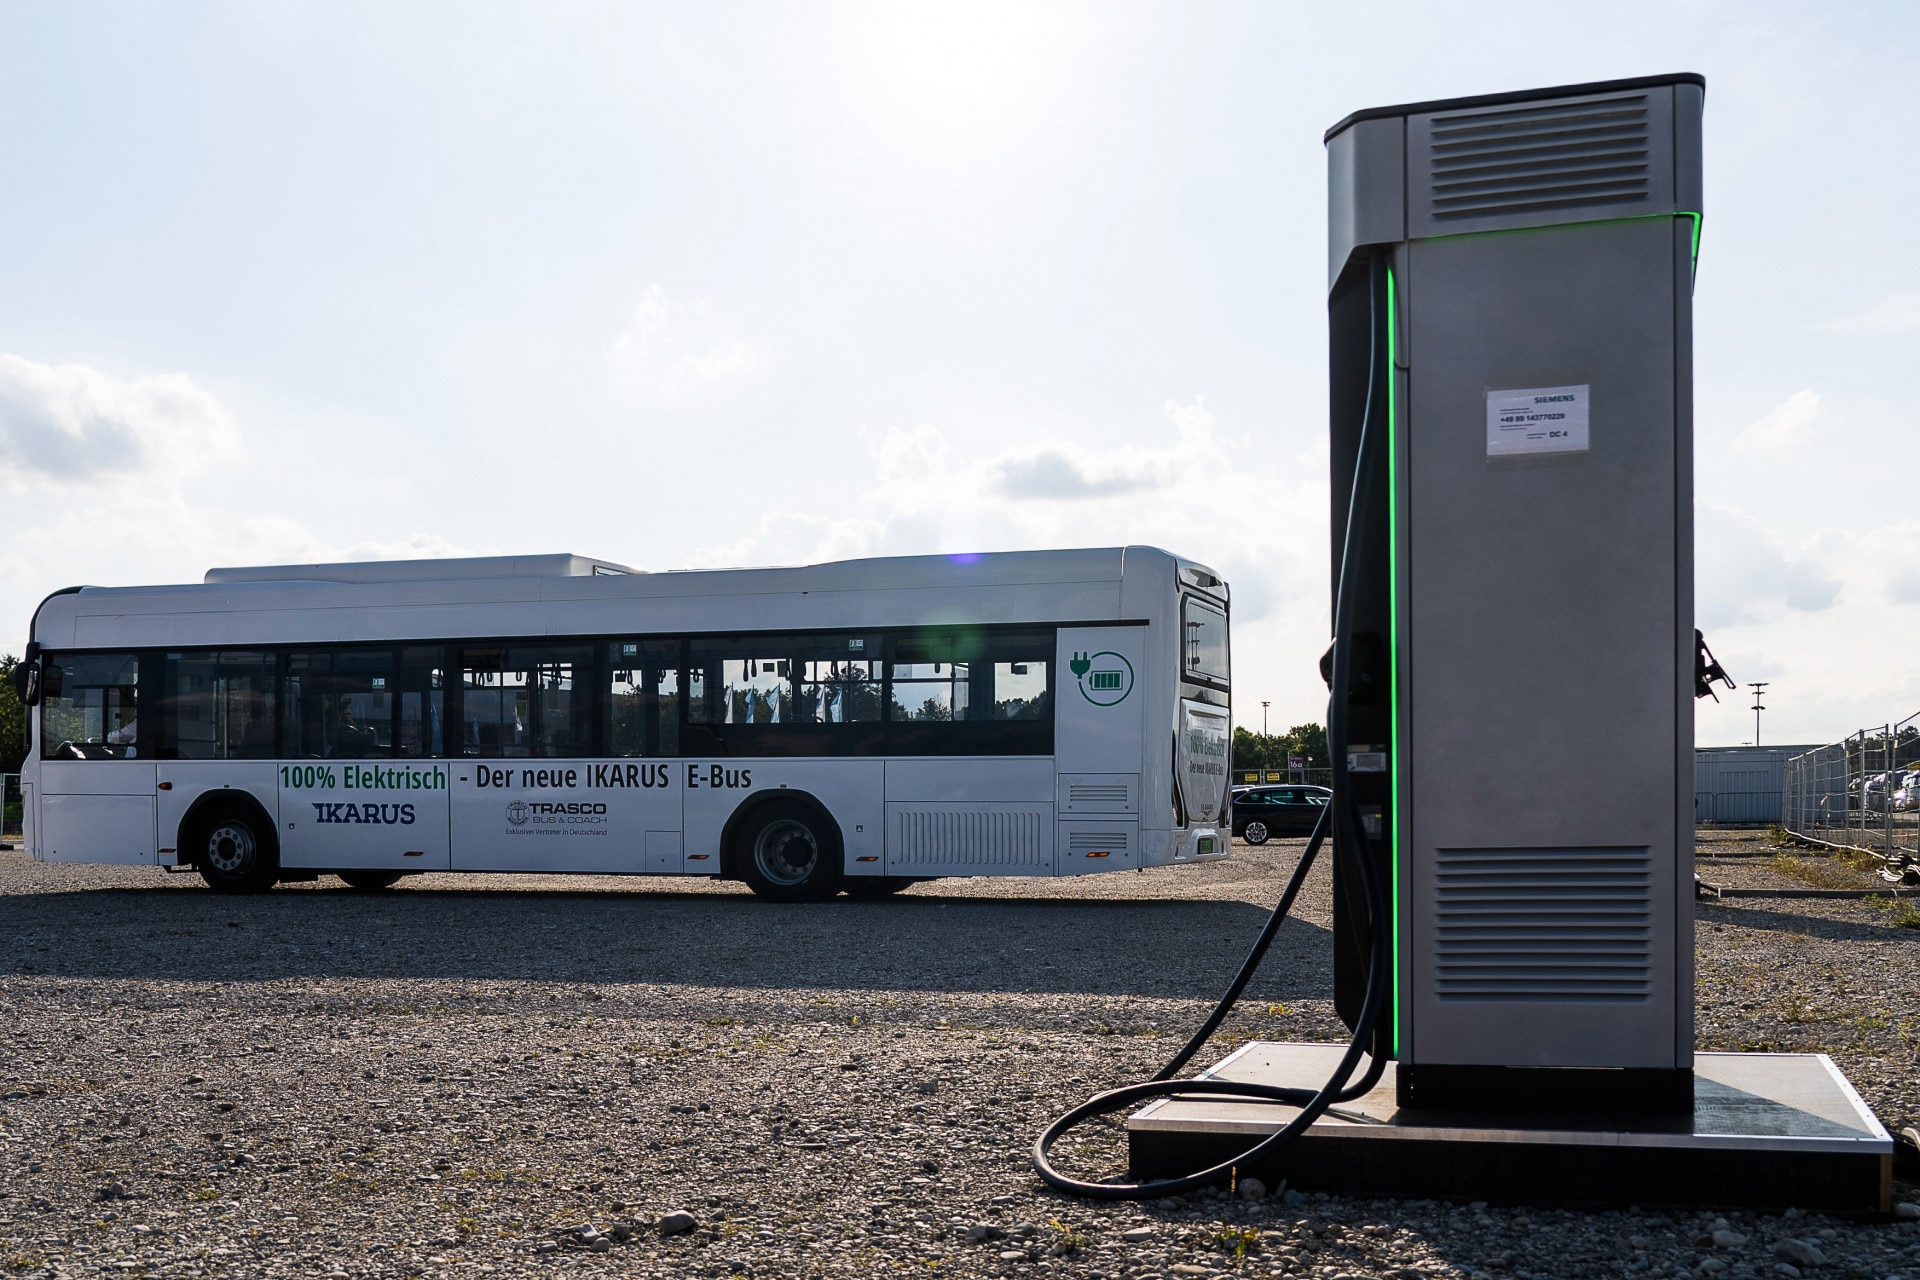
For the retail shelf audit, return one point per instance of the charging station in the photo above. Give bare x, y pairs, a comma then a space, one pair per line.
1510, 284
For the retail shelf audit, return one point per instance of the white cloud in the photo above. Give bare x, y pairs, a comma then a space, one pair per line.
1058, 471
1257, 518
68, 423
1783, 428
1893, 315
179, 541
1742, 573
673, 352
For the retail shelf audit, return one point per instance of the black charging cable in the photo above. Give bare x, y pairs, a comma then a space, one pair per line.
1343, 817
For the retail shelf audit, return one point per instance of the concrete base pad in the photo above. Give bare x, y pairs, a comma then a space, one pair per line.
1773, 1130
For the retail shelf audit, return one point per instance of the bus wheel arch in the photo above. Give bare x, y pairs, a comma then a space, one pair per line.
785, 845
228, 837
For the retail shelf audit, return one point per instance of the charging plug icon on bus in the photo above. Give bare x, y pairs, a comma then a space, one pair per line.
1105, 678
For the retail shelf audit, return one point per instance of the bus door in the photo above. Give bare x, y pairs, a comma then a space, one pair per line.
359, 786
96, 785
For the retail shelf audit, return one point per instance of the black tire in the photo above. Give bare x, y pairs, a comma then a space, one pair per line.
789, 852
867, 887
370, 881
1255, 832
234, 850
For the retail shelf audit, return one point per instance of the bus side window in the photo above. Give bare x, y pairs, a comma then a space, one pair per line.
1022, 676
743, 681
527, 700
337, 704
931, 678
642, 712
90, 707
841, 679
423, 696
218, 705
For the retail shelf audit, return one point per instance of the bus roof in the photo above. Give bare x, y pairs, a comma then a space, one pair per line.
449, 598
444, 569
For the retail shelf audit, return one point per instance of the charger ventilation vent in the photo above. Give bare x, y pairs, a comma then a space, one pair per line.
1544, 925
1537, 159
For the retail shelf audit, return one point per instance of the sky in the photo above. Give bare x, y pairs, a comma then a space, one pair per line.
697, 285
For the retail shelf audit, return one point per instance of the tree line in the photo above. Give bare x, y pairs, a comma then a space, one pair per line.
1271, 750
13, 719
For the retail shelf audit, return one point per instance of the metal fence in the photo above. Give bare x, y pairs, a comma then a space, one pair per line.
1311, 777
1862, 792
10, 806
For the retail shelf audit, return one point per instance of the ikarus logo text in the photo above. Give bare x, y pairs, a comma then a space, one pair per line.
1105, 677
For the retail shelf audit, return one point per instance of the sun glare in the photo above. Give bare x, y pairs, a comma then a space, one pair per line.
959, 75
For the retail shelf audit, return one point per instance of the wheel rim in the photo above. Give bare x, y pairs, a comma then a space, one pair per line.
230, 848
786, 852
1256, 833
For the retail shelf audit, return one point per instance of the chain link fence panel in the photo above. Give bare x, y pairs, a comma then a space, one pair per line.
1862, 793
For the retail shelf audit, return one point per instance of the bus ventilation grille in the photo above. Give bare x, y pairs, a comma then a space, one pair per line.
1535, 159
972, 838
1099, 795
1544, 925
1115, 841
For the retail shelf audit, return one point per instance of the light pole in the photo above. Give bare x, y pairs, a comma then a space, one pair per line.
1263, 719
1757, 686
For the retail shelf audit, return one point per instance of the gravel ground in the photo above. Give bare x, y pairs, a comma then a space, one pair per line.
533, 1076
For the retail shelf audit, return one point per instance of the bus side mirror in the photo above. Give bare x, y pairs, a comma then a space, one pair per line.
26, 675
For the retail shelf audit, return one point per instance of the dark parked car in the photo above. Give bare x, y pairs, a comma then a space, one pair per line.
1261, 812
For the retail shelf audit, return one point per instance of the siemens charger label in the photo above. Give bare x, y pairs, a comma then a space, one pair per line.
1537, 420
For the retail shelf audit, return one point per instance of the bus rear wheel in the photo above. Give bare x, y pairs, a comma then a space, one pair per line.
233, 851
370, 881
789, 852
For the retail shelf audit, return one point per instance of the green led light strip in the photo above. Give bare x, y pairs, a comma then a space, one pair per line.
1393, 633
1696, 239
1597, 222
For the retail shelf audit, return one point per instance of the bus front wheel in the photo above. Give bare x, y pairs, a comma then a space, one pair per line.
789, 852
233, 852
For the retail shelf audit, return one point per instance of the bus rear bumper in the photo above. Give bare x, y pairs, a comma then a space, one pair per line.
1201, 844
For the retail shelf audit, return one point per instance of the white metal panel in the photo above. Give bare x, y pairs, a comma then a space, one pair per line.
96, 778
364, 814
97, 828
665, 853
560, 815
1098, 844
1097, 699
1025, 779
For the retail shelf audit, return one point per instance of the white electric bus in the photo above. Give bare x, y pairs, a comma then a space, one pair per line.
855, 726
